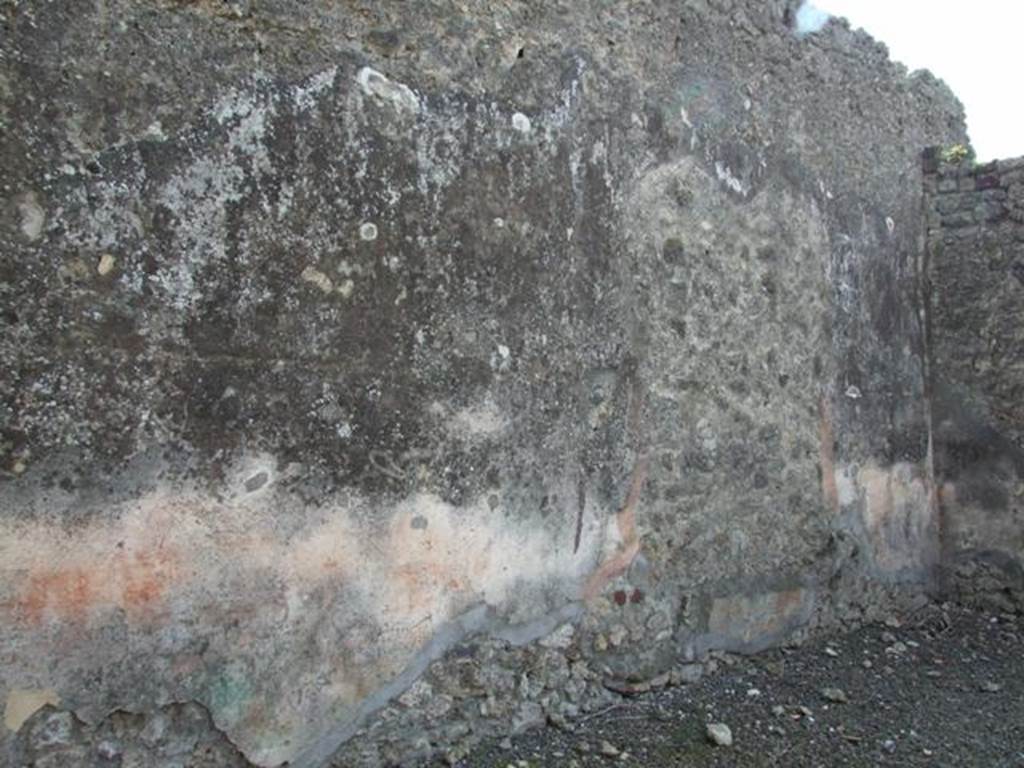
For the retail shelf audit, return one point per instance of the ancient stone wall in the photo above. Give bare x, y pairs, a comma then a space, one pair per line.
976, 269
436, 369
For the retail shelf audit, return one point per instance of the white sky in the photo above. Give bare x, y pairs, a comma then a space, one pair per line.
977, 47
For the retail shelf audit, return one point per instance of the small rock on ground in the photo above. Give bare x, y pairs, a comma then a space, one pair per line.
720, 734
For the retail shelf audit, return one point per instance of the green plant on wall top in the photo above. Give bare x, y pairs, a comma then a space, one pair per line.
957, 153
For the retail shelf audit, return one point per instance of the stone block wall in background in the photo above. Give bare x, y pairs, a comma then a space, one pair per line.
975, 253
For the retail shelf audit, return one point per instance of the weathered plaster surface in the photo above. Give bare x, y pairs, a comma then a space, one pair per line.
346, 344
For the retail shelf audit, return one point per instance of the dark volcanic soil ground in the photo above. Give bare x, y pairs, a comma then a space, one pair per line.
943, 687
